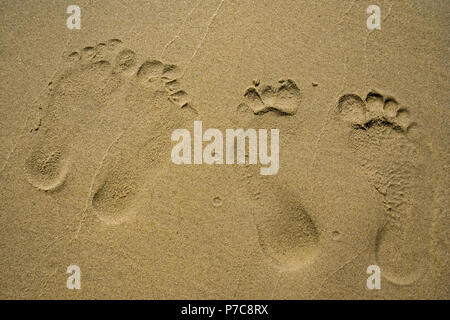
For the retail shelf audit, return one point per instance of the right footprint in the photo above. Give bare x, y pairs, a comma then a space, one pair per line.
396, 166
159, 106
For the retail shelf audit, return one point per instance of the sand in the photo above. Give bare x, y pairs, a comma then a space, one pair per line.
86, 176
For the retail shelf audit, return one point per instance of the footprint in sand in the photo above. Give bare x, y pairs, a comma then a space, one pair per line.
287, 234
85, 95
154, 92
155, 73
284, 99
70, 107
396, 166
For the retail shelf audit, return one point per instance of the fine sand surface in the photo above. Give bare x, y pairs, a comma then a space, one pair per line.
86, 176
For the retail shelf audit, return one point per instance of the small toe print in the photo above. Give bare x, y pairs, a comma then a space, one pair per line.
285, 98
402, 119
74, 56
172, 86
374, 102
288, 97
375, 110
154, 73
100, 50
254, 100
87, 53
171, 72
125, 59
335, 235
268, 94
113, 44
391, 108
352, 109
180, 98
150, 70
